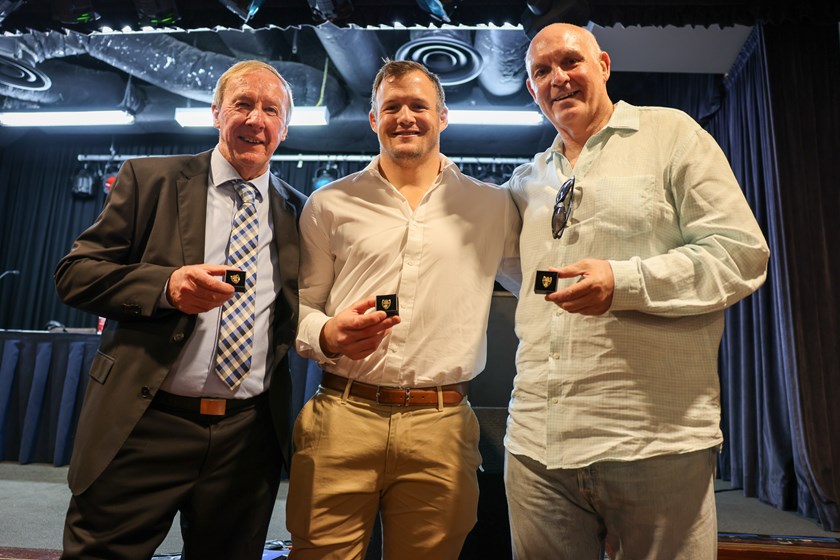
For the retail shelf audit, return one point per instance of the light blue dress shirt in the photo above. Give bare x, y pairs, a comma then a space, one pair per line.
193, 374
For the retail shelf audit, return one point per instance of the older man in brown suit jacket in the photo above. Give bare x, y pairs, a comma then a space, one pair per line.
161, 431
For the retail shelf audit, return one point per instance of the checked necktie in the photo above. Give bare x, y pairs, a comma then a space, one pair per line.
236, 329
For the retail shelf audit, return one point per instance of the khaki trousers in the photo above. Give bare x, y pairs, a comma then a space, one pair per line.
415, 465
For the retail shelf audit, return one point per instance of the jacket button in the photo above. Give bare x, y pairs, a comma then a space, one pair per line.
145, 393
178, 337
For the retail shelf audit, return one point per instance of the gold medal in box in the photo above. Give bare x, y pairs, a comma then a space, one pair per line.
236, 278
546, 282
388, 304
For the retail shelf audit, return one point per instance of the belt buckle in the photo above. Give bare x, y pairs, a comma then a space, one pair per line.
213, 407
406, 391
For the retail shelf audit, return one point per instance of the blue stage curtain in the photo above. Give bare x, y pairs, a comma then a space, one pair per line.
779, 355
804, 67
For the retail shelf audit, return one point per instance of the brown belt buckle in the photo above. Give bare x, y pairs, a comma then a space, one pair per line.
213, 407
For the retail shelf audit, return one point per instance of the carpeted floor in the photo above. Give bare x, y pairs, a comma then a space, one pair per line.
33, 500
28, 554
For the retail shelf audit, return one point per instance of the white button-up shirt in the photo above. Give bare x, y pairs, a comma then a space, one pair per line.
361, 238
654, 195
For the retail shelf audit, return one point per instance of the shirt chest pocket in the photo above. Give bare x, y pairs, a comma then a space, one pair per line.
624, 205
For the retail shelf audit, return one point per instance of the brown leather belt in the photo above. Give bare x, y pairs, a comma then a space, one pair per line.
397, 396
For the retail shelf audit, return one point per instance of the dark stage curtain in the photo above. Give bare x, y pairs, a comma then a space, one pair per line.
40, 217
803, 63
779, 355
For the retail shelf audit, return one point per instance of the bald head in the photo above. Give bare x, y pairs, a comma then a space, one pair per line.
567, 76
564, 33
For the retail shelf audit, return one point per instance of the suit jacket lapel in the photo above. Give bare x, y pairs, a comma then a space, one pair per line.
192, 207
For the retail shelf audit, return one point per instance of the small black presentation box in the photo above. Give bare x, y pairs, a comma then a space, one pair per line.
546, 282
388, 304
236, 278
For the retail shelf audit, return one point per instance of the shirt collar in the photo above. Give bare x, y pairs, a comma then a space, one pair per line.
223, 175
373, 167
625, 116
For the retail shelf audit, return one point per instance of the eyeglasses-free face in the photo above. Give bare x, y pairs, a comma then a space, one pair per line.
563, 208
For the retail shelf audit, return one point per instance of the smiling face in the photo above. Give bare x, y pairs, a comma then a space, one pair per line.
567, 77
408, 117
251, 118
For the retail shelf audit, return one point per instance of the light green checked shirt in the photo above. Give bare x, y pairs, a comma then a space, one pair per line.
655, 196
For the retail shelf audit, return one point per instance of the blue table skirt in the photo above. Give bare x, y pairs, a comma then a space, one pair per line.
43, 376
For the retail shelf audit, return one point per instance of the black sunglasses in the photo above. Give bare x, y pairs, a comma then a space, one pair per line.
563, 208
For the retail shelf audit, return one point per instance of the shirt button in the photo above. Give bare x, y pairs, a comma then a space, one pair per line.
558, 312
409, 262
555, 356
555, 400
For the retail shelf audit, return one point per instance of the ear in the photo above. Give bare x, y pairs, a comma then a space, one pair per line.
285, 133
604, 61
444, 119
530, 88
373, 124
215, 111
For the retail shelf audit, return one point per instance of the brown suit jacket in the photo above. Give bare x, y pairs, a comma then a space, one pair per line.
153, 222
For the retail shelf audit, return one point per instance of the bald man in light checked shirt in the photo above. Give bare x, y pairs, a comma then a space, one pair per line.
614, 418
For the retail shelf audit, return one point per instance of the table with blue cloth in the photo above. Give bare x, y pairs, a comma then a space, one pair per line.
43, 376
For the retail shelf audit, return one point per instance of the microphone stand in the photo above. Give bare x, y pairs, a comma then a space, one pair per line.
12, 272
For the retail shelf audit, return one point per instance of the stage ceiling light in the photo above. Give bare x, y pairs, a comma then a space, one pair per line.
495, 117
156, 13
331, 10
82, 183
74, 12
245, 9
66, 118
324, 176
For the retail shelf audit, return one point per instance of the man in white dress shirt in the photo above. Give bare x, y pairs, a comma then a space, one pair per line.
614, 417
390, 429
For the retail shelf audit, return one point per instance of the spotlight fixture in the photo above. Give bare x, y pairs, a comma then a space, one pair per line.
331, 10
74, 12
544, 12
109, 177
434, 9
245, 9
324, 176
83, 181
318, 115
156, 13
